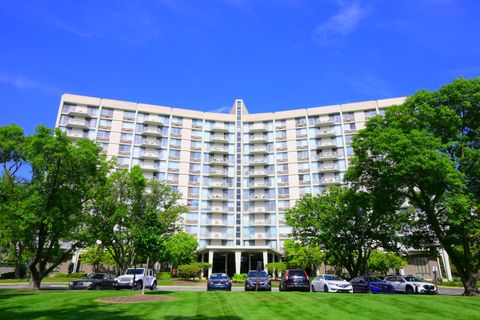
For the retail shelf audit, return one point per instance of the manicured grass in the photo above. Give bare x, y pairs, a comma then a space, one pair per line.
22, 304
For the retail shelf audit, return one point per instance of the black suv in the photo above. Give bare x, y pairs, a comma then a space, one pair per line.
257, 280
295, 280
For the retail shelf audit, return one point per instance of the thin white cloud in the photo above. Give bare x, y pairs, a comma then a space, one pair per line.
221, 110
22, 83
332, 31
371, 86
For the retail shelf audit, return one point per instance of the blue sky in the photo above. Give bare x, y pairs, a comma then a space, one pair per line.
276, 55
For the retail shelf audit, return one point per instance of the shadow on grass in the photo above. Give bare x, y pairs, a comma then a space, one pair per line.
13, 293
61, 312
202, 317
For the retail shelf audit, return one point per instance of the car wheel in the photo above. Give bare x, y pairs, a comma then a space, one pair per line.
138, 286
409, 290
154, 285
313, 288
325, 288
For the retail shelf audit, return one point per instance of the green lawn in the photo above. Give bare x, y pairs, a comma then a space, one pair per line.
22, 304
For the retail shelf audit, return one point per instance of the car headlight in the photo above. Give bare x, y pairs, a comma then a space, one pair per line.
87, 283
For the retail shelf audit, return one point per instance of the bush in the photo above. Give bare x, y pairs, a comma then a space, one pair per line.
239, 277
8, 275
192, 270
164, 275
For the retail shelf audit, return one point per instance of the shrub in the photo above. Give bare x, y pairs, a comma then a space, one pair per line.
73, 275
164, 275
239, 277
192, 270
8, 275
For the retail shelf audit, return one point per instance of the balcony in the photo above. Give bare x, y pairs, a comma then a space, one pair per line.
219, 127
218, 160
258, 197
222, 138
152, 119
284, 196
77, 123
217, 235
217, 196
259, 222
259, 150
218, 149
329, 156
280, 126
152, 143
326, 145
215, 222
258, 127
218, 173
258, 138
259, 185
330, 181
258, 161
80, 111
325, 133
77, 135
258, 173
281, 138
152, 131
149, 155
149, 167
329, 168
258, 209
323, 122
348, 119
217, 209
219, 185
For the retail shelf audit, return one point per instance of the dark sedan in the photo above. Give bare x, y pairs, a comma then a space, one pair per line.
371, 284
257, 280
94, 281
219, 281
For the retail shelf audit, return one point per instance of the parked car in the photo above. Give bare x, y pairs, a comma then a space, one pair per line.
410, 284
257, 280
134, 279
371, 284
331, 283
219, 281
295, 280
94, 281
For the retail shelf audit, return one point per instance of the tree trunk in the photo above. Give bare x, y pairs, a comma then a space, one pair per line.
470, 284
36, 278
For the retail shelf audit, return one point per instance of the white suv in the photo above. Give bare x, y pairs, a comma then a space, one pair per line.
127, 281
410, 284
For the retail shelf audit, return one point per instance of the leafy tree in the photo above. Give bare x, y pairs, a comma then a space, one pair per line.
427, 151
131, 223
301, 256
382, 262
192, 270
345, 224
276, 267
180, 249
43, 214
100, 258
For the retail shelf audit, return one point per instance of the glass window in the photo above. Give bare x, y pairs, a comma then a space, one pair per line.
105, 124
107, 113
128, 115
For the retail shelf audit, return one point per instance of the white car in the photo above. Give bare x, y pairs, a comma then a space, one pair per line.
410, 284
134, 278
331, 283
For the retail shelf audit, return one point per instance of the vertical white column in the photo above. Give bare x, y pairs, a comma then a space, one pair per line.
210, 261
238, 261
265, 259
446, 265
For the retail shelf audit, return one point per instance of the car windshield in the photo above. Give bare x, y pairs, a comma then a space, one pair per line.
95, 276
134, 271
374, 279
333, 277
257, 274
218, 276
411, 279
296, 273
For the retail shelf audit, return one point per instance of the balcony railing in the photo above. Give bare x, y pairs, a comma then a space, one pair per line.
258, 127
324, 122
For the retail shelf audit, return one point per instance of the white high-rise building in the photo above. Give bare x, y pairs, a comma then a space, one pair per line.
237, 172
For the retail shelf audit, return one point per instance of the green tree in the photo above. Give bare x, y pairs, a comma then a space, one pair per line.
427, 151
47, 220
99, 258
302, 256
276, 267
346, 224
383, 262
180, 249
133, 224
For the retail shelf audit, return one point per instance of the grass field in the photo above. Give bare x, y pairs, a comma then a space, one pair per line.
22, 304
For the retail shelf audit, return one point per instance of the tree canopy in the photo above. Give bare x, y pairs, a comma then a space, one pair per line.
427, 152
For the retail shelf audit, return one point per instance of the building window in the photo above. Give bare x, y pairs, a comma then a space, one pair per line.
107, 113
421, 264
128, 115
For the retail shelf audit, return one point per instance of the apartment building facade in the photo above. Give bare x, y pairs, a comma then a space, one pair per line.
237, 173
